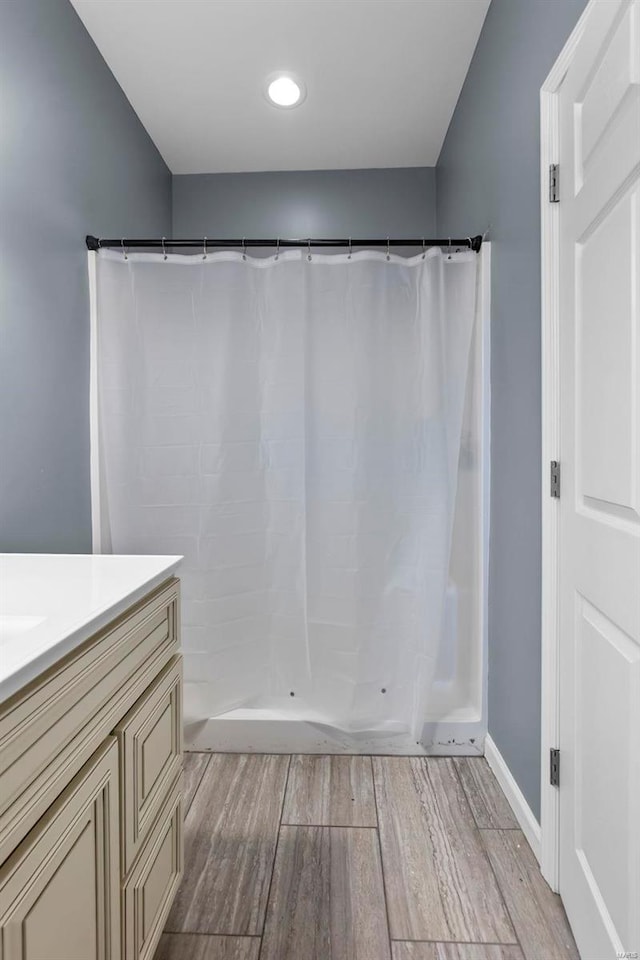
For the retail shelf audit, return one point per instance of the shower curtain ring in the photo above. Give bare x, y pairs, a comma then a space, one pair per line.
308, 248
449, 256
124, 252
349, 255
424, 249
244, 248
164, 252
277, 248
204, 249
388, 254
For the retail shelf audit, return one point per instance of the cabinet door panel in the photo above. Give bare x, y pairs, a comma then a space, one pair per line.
150, 738
154, 880
59, 891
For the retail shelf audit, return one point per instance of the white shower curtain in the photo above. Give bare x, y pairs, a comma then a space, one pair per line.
292, 426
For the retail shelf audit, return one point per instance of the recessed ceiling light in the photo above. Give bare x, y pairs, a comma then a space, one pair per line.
284, 90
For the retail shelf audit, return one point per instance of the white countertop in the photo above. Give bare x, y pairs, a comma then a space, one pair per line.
50, 603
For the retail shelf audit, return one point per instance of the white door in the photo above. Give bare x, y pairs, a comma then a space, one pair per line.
599, 589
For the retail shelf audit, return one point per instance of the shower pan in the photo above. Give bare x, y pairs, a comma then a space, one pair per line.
165, 480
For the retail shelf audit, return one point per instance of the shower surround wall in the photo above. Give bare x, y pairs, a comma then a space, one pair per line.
488, 173
75, 159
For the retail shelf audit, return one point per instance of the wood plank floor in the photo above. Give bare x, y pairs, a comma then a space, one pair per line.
357, 858
439, 882
327, 896
406, 950
195, 765
330, 792
196, 946
537, 913
230, 836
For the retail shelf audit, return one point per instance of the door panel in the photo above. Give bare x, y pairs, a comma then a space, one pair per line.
150, 741
612, 81
607, 683
62, 921
608, 466
152, 884
60, 889
599, 589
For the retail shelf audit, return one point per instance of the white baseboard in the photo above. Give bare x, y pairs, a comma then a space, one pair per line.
521, 809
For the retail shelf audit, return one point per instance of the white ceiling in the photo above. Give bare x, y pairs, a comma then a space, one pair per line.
382, 76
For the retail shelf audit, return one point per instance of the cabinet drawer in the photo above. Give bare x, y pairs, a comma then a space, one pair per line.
49, 729
60, 889
148, 893
150, 738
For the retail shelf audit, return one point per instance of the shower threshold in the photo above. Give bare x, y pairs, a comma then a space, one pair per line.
263, 730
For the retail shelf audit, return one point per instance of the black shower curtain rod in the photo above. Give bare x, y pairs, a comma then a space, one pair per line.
208, 244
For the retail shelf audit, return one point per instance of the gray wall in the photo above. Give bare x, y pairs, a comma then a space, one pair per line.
316, 203
75, 160
488, 173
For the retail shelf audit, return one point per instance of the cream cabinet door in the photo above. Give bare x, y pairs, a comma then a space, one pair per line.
150, 743
59, 891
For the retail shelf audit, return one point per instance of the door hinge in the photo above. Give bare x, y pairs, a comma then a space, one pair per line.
554, 479
554, 767
554, 183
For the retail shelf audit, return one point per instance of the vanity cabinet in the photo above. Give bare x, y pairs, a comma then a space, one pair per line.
91, 794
